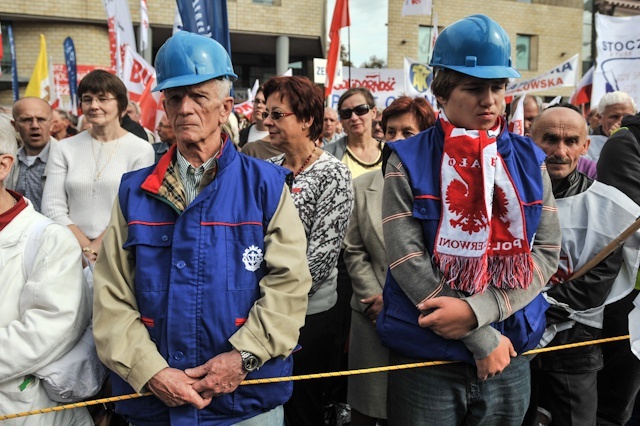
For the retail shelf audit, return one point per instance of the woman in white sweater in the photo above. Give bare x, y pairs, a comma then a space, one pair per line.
83, 172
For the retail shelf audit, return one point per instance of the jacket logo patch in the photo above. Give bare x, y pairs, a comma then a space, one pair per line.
252, 258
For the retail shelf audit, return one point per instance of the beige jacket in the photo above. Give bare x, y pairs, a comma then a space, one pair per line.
364, 253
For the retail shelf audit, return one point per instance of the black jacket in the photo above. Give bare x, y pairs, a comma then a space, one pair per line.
619, 162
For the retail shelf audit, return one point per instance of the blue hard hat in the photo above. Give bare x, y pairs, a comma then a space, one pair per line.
186, 59
476, 46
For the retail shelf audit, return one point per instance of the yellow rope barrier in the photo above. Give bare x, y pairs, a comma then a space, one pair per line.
304, 377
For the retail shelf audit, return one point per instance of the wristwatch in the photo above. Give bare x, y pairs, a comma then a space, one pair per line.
250, 362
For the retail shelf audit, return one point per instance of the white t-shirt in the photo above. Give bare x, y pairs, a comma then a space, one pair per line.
256, 135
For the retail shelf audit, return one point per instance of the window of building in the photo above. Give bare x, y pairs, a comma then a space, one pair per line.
267, 2
526, 52
424, 44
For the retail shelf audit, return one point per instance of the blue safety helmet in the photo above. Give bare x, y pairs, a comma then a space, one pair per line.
476, 46
186, 59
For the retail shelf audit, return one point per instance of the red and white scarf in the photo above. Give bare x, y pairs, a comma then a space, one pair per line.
481, 238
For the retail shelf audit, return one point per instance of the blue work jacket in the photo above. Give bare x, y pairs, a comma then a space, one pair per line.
421, 157
196, 279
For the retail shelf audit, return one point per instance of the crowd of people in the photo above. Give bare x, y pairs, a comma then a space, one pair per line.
317, 240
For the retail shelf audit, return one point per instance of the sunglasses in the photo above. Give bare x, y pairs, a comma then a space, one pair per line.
276, 115
345, 114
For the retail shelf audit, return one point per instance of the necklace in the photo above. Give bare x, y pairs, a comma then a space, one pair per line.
295, 174
95, 159
365, 165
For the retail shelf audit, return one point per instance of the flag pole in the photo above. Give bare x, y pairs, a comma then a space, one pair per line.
349, 48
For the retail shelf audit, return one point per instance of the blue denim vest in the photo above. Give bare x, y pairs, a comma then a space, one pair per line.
421, 157
196, 278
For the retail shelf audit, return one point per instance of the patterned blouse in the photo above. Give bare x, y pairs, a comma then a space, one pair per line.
323, 196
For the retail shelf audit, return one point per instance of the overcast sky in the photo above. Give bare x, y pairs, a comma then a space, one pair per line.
368, 29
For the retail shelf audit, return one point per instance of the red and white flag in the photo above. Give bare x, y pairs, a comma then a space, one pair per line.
582, 94
416, 7
54, 99
144, 25
516, 124
120, 31
340, 19
139, 77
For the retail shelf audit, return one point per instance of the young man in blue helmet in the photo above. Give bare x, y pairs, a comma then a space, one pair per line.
472, 236
203, 277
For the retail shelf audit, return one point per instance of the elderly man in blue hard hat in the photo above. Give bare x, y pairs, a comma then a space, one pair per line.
203, 277
472, 235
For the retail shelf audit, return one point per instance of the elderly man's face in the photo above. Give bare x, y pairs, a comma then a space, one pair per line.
197, 112
165, 132
612, 116
32, 120
132, 113
329, 122
562, 134
531, 111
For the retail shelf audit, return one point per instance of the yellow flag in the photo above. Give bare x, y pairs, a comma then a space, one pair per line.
39, 83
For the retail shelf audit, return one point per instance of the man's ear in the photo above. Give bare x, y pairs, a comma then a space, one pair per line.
225, 109
6, 162
586, 147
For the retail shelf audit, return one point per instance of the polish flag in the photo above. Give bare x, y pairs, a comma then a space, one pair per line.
582, 94
340, 20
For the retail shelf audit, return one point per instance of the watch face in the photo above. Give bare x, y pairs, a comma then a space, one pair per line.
251, 363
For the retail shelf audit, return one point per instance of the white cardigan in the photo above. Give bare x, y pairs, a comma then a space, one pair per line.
40, 319
73, 193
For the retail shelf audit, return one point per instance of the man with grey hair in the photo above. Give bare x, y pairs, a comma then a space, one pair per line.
32, 120
330, 124
613, 106
43, 306
532, 107
203, 276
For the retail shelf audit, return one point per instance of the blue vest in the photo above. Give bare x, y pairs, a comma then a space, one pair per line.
421, 158
196, 280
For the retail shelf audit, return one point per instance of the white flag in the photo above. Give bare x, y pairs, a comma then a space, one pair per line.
120, 31
254, 90
144, 25
555, 101
434, 31
416, 7
516, 125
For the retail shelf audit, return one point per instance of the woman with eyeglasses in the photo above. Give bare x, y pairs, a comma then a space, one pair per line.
321, 191
359, 150
366, 262
83, 173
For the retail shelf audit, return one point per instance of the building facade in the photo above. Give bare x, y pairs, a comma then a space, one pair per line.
266, 35
543, 33
269, 36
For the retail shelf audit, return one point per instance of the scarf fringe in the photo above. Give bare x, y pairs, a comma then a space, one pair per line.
474, 274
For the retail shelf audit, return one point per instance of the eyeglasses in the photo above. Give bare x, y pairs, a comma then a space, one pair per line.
275, 115
345, 114
377, 123
88, 100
